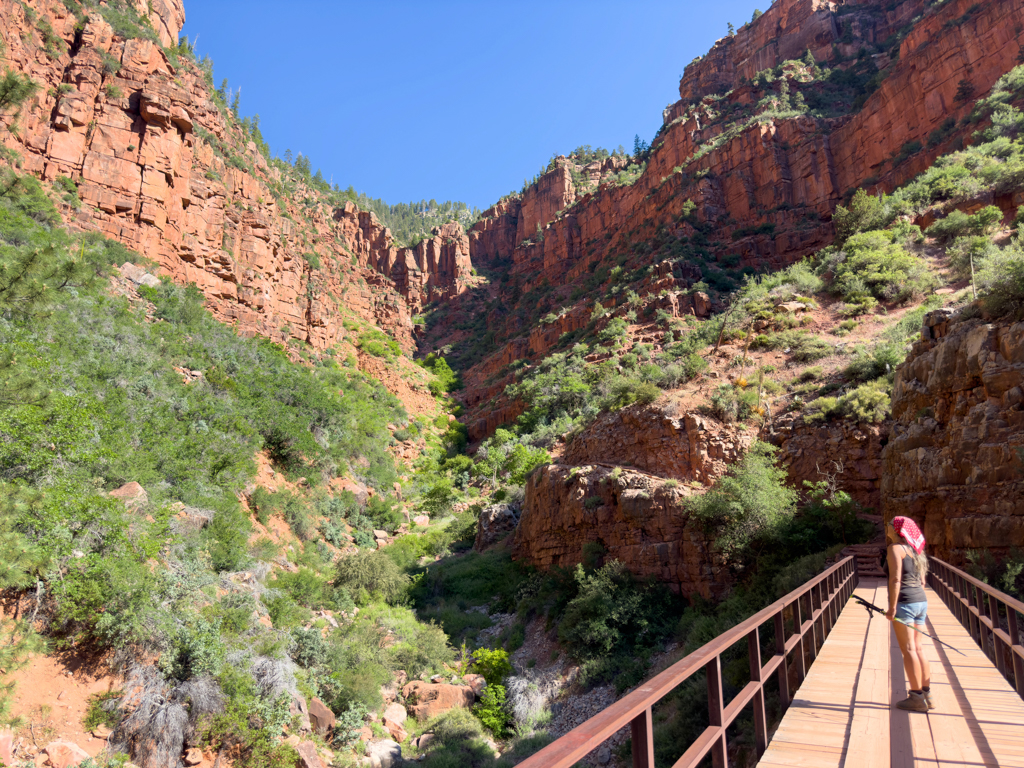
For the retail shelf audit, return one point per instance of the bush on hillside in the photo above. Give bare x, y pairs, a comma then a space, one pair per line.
371, 574
872, 264
959, 224
747, 508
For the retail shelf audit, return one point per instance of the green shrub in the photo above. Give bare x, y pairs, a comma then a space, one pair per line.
312, 259
492, 664
880, 361
748, 506
1001, 279
959, 224
866, 212
371, 574
965, 252
491, 710
196, 650
874, 265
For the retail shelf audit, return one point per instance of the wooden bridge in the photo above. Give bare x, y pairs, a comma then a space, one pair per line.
845, 672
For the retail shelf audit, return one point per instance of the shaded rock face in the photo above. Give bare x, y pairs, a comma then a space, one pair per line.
953, 461
635, 518
807, 450
495, 523
159, 169
685, 447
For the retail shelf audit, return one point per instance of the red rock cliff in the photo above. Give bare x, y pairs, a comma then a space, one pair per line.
160, 168
955, 458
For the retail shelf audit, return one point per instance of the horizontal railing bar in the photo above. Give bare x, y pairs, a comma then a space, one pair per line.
998, 631
739, 701
584, 738
700, 747
1002, 597
793, 642
773, 664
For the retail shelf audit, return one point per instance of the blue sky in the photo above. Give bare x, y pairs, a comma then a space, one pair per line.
448, 99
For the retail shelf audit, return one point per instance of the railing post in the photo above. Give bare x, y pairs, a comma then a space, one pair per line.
716, 712
1018, 662
780, 649
760, 719
642, 731
798, 625
997, 643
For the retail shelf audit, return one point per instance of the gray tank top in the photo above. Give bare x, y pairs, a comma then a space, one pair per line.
911, 589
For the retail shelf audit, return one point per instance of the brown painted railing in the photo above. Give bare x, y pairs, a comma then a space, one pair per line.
978, 607
813, 608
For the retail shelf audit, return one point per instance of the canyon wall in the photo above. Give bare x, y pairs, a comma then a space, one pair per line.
161, 168
784, 174
626, 515
955, 459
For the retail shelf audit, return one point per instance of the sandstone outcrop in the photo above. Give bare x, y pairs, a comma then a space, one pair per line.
784, 173
808, 450
159, 167
632, 517
954, 459
686, 446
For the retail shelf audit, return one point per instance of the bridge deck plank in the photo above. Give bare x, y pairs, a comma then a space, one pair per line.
843, 715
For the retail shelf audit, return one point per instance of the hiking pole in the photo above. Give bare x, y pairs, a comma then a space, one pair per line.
872, 607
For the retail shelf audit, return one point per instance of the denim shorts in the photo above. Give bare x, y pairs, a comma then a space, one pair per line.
912, 613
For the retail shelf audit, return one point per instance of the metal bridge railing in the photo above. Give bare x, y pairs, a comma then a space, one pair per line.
982, 610
813, 609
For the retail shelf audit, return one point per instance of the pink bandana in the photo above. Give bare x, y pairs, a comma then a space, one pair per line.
908, 529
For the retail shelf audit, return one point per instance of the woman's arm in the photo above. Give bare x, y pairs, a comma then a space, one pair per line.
895, 575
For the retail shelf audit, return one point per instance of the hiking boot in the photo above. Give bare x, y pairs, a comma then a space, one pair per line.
915, 702
929, 700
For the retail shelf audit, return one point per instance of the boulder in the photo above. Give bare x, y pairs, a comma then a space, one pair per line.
495, 523
432, 699
421, 520
396, 713
308, 757
384, 753
393, 720
193, 756
132, 494
476, 682
321, 719
63, 754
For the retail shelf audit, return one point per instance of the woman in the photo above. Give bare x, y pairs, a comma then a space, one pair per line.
907, 567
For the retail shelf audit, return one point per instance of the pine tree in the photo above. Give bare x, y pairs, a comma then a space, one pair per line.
15, 90
732, 29
236, 102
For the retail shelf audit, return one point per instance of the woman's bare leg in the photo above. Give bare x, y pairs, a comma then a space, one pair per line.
926, 670
911, 659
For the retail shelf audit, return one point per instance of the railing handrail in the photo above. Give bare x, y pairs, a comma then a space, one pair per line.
963, 595
1004, 598
635, 707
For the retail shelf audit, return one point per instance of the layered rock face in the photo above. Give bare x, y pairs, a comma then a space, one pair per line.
789, 172
852, 451
684, 447
955, 458
160, 168
629, 516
